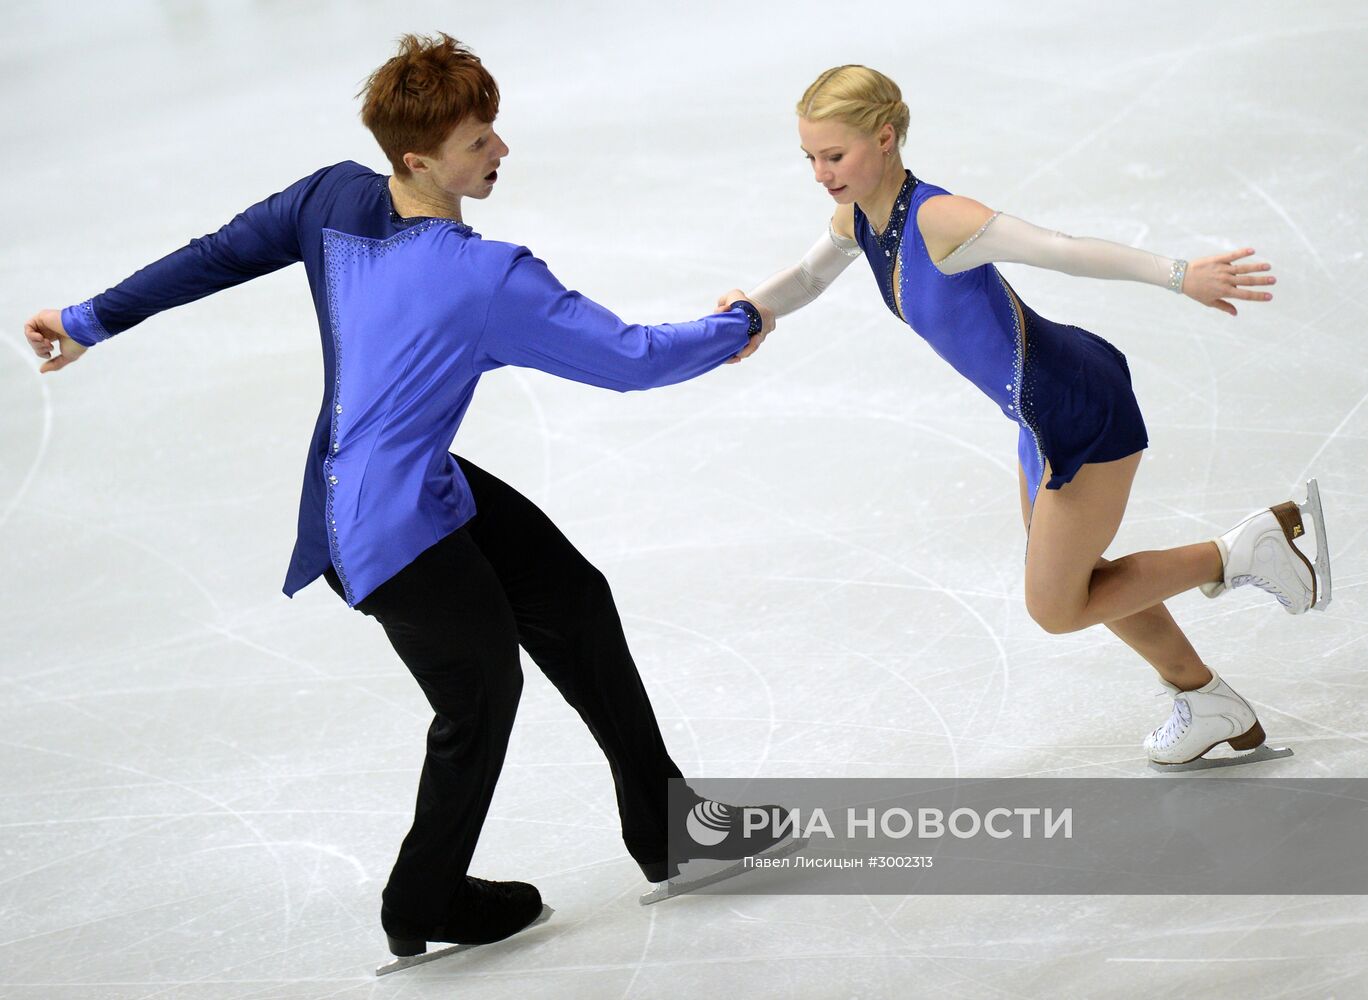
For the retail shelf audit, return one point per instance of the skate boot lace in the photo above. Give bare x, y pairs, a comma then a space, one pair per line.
1262, 584
1172, 731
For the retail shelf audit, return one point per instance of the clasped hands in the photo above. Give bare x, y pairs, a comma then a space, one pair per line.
725, 301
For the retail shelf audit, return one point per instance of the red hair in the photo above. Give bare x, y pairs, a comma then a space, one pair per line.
414, 100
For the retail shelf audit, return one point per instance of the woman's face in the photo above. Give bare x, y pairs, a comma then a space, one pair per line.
845, 161
466, 164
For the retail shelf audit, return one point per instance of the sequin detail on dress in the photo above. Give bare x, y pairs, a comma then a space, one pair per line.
1023, 383
889, 242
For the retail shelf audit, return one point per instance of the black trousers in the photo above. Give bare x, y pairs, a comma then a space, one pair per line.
456, 616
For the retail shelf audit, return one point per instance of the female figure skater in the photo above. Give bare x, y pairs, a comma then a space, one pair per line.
457, 566
1081, 433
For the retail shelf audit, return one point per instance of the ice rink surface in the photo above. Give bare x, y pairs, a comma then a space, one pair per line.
817, 554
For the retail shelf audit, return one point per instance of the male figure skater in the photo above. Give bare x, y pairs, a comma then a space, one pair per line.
457, 566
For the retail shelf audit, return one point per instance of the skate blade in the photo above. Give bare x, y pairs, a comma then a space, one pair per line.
1312, 508
683, 885
1259, 753
409, 961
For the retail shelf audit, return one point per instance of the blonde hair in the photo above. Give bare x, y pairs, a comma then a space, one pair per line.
861, 97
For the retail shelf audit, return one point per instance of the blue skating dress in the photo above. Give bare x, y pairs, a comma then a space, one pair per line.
1067, 389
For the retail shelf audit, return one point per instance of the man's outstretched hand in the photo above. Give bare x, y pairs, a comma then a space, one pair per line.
45, 329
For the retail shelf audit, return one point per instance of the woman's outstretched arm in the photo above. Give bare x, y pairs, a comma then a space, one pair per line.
962, 234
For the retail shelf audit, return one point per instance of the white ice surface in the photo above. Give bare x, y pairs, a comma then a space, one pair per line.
817, 554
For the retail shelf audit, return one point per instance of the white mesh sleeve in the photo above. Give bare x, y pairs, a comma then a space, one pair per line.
1005, 238
796, 286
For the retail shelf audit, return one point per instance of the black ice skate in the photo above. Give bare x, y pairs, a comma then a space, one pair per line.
715, 831
483, 913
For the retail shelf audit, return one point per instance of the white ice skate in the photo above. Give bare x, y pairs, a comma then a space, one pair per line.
1262, 550
1201, 721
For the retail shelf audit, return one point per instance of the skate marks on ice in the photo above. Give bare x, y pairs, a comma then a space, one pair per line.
684, 884
409, 961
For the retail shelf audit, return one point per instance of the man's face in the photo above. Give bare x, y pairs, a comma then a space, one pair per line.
466, 164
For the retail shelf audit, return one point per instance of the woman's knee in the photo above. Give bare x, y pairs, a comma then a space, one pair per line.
1054, 617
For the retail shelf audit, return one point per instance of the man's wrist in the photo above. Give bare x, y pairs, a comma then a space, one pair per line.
83, 325
757, 322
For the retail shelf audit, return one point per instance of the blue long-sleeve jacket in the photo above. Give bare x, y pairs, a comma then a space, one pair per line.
412, 313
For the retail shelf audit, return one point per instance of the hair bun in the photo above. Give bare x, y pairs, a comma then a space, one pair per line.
861, 97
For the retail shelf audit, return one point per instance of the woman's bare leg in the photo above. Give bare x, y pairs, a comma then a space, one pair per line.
1070, 529
1152, 632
